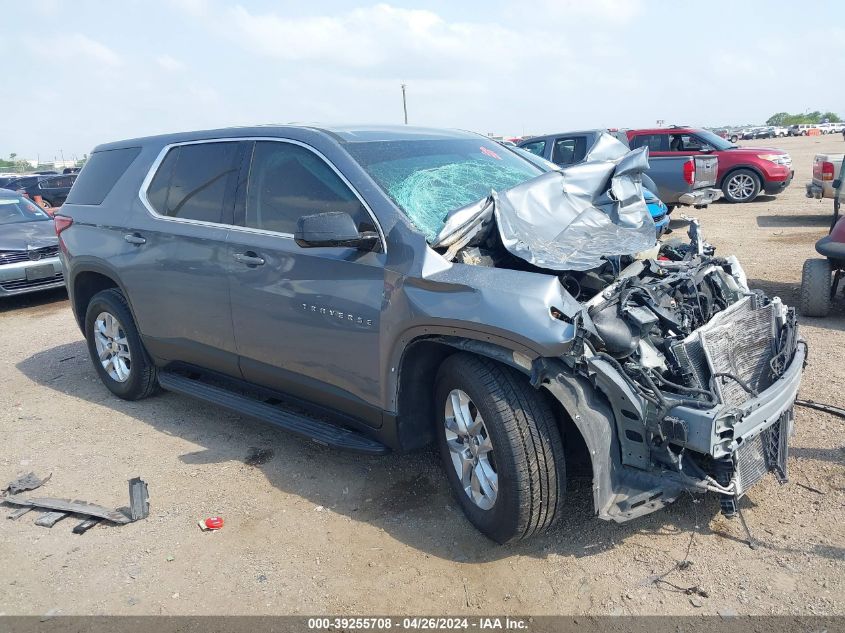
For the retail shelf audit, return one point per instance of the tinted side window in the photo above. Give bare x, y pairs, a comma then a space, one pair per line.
99, 175
684, 143
654, 142
568, 151
287, 181
535, 147
192, 181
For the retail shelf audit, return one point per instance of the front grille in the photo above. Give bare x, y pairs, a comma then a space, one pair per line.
22, 284
767, 451
13, 257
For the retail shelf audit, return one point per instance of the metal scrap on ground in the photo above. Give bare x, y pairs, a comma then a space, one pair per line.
25, 482
139, 508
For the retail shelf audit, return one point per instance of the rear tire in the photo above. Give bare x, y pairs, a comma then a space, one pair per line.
816, 284
742, 185
517, 431
115, 347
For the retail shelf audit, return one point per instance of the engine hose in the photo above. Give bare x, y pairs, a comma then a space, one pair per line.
631, 382
818, 406
737, 380
684, 402
675, 385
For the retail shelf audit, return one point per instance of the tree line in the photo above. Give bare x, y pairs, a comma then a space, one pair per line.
784, 118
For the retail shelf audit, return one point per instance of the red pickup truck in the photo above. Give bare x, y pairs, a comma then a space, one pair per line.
743, 171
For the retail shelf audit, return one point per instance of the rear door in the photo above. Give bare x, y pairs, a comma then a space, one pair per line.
176, 262
306, 319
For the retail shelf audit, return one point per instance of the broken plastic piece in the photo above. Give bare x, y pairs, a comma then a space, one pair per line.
17, 514
68, 505
26, 482
87, 524
139, 499
49, 519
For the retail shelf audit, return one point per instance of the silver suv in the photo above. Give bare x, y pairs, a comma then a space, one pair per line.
379, 289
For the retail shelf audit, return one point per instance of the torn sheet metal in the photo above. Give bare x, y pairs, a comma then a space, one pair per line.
139, 506
26, 482
572, 219
49, 519
74, 506
83, 526
139, 499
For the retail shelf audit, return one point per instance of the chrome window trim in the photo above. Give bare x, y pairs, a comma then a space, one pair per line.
145, 185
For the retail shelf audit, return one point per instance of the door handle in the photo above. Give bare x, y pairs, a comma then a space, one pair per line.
134, 238
249, 258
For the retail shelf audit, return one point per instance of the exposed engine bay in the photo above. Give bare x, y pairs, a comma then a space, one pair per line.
682, 349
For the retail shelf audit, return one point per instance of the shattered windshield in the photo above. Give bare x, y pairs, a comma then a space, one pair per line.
429, 178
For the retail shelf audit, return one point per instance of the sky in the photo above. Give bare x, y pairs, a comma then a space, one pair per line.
83, 72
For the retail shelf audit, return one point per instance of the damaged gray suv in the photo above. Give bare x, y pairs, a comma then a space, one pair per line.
379, 289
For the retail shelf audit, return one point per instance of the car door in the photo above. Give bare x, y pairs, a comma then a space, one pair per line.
306, 319
176, 263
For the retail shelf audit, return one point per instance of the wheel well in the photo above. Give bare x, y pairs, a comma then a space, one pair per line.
416, 411
417, 372
747, 167
85, 286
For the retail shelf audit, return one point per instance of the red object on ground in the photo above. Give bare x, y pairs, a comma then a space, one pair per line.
214, 523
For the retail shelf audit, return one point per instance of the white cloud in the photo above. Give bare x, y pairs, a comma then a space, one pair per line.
170, 64
390, 41
192, 7
78, 46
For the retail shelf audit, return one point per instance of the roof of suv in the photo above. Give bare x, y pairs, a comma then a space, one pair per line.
341, 133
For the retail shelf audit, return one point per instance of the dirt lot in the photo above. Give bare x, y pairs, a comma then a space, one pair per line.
311, 530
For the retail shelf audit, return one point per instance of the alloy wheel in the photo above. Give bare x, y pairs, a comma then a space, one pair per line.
471, 449
741, 187
112, 347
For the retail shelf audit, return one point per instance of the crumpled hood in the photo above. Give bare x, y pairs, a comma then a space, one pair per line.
571, 219
20, 235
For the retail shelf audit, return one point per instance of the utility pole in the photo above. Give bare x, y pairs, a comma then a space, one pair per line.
405, 104
62, 152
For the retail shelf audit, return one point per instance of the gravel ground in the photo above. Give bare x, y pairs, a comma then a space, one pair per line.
312, 530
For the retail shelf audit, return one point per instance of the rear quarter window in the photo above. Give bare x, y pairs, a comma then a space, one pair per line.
100, 174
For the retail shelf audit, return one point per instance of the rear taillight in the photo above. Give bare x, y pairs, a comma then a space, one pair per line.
827, 171
689, 172
61, 223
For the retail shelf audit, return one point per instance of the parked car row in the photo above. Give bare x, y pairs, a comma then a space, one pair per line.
766, 131
686, 163
49, 190
804, 129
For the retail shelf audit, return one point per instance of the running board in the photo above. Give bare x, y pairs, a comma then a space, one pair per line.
321, 432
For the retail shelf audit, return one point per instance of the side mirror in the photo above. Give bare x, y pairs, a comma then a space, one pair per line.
837, 183
333, 229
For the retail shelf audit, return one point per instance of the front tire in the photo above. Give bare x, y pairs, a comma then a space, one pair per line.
115, 347
742, 185
500, 446
816, 284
